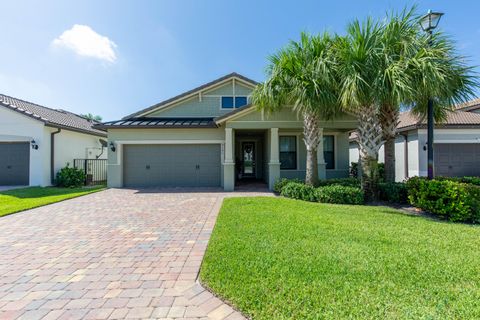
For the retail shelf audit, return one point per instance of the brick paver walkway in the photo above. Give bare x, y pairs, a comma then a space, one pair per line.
110, 255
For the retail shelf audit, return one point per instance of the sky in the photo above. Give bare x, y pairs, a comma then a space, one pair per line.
112, 58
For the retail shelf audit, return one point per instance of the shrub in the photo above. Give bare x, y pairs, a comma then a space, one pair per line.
346, 182
300, 191
469, 180
393, 192
280, 183
447, 199
354, 169
70, 177
340, 194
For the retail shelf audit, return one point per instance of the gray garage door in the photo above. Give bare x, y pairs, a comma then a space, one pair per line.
456, 160
14, 163
171, 165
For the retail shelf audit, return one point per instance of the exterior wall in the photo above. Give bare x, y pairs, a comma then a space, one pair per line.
70, 145
208, 104
121, 137
17, 127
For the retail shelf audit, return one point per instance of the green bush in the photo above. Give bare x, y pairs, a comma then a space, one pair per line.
340, 194
469, 180
299, 191
280, 183
70, 177
451, 200
393, 192
346, 182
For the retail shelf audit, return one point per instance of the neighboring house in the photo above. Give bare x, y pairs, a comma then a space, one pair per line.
211, 136
36, 141
456, 144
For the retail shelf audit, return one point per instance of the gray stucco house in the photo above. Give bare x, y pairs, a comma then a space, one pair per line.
212, 136
456, 144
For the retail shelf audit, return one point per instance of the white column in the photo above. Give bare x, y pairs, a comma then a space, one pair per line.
274, 161
229, 164
322, 173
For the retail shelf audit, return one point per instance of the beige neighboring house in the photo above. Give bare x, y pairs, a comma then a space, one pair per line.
36, 142
456, 144
212, 136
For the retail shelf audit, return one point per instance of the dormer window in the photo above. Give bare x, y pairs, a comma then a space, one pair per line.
229, 102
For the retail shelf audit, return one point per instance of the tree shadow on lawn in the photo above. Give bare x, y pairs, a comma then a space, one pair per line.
40, 192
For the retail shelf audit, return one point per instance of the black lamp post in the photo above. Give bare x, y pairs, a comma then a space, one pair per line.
429, 22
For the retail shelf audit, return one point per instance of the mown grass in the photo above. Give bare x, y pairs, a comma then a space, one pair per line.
276, 258
16, 200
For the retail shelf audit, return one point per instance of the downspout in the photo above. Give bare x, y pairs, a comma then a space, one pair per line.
405, 154
52, 155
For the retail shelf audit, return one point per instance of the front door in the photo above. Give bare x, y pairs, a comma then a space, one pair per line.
248, 159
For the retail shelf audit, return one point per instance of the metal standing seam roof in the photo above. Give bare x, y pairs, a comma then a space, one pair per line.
51, 117
159, 122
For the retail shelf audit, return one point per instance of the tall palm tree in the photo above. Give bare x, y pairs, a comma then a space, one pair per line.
301, 76
358, 61
413, 68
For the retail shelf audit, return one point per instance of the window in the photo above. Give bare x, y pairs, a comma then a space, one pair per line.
240, 102
233, 102
227, 102
329, 151
288, 152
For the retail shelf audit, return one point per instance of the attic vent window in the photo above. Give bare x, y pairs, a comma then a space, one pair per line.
229, 102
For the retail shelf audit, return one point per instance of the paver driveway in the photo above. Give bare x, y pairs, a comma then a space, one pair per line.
110, 255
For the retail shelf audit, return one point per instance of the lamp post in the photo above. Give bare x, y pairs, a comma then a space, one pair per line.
429, 22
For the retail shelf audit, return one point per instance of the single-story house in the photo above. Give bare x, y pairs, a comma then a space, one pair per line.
456, 144
36, 141
212, 136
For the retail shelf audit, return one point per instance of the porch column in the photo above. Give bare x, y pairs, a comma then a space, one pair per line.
274, 161
229, 164
322, 173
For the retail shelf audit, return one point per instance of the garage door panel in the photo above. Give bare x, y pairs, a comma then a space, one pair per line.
460, 159
171, 165
14, 163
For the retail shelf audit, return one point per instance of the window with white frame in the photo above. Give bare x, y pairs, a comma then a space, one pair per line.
229, 102
288, 152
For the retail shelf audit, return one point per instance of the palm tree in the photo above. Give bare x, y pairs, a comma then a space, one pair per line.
91, 117
301, 76
414, 68
358, 61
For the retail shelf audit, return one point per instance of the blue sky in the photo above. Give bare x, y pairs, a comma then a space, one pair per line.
123, 56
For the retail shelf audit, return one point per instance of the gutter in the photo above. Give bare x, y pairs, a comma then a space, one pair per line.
405, 154
52, 154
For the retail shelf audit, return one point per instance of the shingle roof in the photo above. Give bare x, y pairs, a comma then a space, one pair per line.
155, 123
185, 94
51, 117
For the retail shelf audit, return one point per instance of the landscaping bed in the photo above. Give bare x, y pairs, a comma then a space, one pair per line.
16, 200
277, 258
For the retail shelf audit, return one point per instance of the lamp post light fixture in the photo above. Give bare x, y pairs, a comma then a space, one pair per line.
428, 23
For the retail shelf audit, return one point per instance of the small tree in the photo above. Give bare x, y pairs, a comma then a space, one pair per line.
301, 77
91, 117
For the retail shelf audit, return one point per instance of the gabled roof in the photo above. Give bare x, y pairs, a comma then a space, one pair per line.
51, 117
203, 87
158, 122
469, 105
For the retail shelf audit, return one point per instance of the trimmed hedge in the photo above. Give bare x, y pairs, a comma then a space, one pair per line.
327, 194
280, 183
340, 194
469, 180
347, 182
450, 200
393, 192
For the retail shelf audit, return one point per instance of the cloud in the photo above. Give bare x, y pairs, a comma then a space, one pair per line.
84, 41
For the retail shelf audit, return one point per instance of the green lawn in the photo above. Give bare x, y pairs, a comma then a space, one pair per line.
276, 258
15, 200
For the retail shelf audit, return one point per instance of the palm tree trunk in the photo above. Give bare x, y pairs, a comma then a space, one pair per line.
388, 122
369, 141
311, 138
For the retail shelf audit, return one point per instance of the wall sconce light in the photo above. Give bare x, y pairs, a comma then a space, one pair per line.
425, 146
112, 147
34, 145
